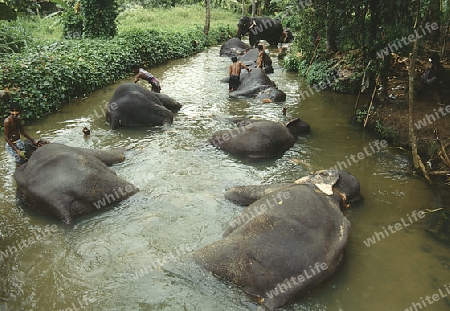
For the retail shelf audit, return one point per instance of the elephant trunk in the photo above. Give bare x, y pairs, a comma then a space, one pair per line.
238, 33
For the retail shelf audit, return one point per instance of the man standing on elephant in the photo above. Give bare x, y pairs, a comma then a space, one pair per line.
147, 76
235, 73
13, 129
260, 60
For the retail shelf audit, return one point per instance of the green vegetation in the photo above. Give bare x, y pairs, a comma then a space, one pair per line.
43, 70
340, 30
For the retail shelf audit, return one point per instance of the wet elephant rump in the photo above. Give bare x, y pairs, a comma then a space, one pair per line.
283, 241
142, 114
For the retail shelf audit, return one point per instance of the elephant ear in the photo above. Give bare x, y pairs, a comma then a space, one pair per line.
297, 126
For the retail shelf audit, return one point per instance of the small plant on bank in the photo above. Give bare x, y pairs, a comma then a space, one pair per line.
386, 132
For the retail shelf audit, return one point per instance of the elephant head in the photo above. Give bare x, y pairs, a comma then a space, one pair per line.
297, 127
244, 26
287, 36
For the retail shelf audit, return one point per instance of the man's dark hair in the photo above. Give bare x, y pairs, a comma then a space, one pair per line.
234, 59
260, 47
15, 106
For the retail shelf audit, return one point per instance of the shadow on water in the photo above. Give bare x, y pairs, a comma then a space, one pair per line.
136, 256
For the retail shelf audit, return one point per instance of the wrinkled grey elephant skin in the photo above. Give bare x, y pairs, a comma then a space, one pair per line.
257, 84
346, 190
263, 139
258, 139
272, 248
134, 105
65, 182
233, 47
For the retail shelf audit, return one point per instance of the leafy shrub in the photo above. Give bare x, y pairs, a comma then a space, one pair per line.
99, 18
13, 37
72, 20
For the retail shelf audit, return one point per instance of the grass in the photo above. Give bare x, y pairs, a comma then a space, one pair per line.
173, 18
49, 29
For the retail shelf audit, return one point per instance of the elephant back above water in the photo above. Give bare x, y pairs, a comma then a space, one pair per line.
257, 84
65, 181
259, 138
234, 47
134, 105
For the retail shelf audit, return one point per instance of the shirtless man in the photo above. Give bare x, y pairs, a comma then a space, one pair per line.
13, 129
261, 54
235, 73
147, 76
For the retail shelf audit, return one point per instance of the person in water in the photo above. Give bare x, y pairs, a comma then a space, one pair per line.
147, 76
13, 129
235, 73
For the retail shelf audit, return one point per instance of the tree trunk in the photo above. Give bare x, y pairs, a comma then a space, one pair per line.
253, 8
417, 161
375, 22
208, 17
331, 31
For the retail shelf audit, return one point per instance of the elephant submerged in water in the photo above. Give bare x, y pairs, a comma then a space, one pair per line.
134, 105
288, 241
66, 182
234, 47
259, 138
256, 84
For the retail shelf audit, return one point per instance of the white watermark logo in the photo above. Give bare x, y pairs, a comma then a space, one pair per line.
288, 284
429, 300
270, 202
391, 229
323, 85
114, 196
24, 243
433, 117
397, 43
373, 147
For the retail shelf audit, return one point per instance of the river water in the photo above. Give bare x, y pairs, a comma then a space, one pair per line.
136, 256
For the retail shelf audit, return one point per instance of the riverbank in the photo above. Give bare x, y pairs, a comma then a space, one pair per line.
389, 117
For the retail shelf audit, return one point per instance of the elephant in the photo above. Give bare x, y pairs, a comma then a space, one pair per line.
251, 56
286, 243
287, 36
260, 28
257, 84
234, 47
66, 181
259, 139
134, 105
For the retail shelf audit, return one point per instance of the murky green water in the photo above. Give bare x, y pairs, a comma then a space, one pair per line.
136, 255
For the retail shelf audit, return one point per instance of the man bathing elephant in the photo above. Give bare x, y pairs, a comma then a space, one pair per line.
235, 73
13, 129
253, 58
259, 139
134, 105
66, 182
287, 242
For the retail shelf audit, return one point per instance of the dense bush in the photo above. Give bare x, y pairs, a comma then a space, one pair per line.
44, 77
13, 37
